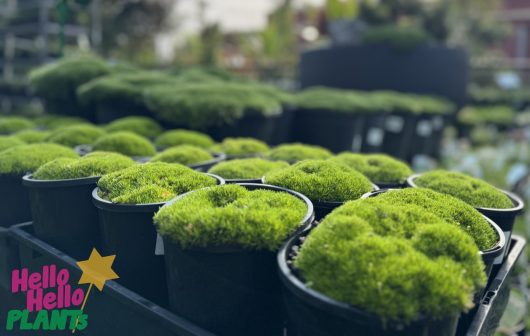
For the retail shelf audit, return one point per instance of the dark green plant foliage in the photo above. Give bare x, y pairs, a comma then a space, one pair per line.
399, 262
23, 159
473, 191
75, 135
184, 154
230, 215
60, 80
125, 143
336, 100
496, 114
252, 168
297, 152
321, 180
143, 126
241, 147
183, 137
449, 208
7, 142
31, 136
10, 125
399, 37
151, 183
92, 164
53, 122
379, 168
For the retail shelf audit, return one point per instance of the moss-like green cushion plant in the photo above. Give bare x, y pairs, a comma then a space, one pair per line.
336, 100
31, 136
297, 152
185, 154
7, 142
473, 191
252, 168
398, 262
151, 183
379, 168
241, 147
75, 135
52, 122
230, 215
143, 126
183, 137
22, 159
126, 143
449, 208
399, 37
476, 115
321, 180
10, 125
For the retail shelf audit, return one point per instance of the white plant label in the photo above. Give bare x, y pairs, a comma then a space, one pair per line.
375, 136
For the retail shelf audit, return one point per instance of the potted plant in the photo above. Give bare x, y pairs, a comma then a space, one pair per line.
295, 152
15, 163
126, 143
327, 184
52, 121
61, 202
469, 117
7, 142
373, 268
221, 270
249, 170
31, 136
143, 126
75, 135
241, 148
500, 206
126, 202
383, 170
192, 156
10, 125
179, 137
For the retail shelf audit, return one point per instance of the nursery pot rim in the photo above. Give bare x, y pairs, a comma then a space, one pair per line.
305, 223
29, 181
516, 200
217, 157
239, 181
104, 204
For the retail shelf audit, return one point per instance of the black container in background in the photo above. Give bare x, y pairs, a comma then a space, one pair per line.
204, 166
322, 208
373, 133
63, 213
251, 125
14, 201
399, 135
282, 127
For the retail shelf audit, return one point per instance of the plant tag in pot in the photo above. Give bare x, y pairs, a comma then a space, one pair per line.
394, 124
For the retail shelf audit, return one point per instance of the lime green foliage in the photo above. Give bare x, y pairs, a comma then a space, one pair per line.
60, 80
396, 261
333, 100
321, 180
183, 137
252, 168
143, 126
297, 152
31, 136
53, 122
379, 168
497, 115
399, 37
126, 143
7, 142
230, 215
9, 125
473, 191
22, 159
75, 135
185, 154
241, 147
450, 209
92, 164
151, 183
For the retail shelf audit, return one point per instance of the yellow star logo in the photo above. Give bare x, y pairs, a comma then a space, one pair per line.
97, 270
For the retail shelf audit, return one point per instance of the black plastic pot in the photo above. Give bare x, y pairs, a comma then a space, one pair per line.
14, 201
282, 126
251, 125
204, 166
69, 107
399, 135
63, 213
127, 230
384, 185
234, 181
311, 313
323, 208
228, 290
8, 259
373, 133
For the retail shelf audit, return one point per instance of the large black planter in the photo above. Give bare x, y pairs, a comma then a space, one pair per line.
251, 125
230, 291
14, 201
398, 140
373, 133
69, 107
63, 213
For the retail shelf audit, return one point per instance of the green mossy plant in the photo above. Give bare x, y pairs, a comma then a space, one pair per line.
321, 180
184, 154
10, 125
473, 191
31, 136
125, 143
379, 168
143, 126
151, 183
183, 137
53, 122
23, 159
241, 147
7, 142
75, 135
399, 37
297, 152
497, 115
230, 215
252, 168
336, 100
